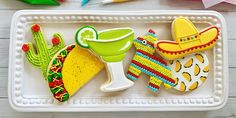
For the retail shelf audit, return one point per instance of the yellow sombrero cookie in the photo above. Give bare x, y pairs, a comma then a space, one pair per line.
188, 40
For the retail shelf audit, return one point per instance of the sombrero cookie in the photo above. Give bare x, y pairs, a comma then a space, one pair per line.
190, 72
70, 69
187, 40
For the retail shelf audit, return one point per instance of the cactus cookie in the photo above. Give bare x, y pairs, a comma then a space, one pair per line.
44, 53
70, 69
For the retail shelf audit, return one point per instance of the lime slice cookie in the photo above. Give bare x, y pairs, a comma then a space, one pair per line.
85, 33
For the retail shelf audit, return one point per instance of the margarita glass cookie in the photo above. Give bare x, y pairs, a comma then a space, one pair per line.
187, 40
190, 72
44, 52
70, 69
144, 61
111, 45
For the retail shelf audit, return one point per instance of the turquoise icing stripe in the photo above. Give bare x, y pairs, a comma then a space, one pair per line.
152, 74
157, 62
131, 77
153, 35
140, 42
153, 89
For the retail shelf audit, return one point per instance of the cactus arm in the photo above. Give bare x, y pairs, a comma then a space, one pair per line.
42, 48
40, 41
32, 57
56, 47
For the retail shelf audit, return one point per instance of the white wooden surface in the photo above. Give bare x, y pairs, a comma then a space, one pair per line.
8, 7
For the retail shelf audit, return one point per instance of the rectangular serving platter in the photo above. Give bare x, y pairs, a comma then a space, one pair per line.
28, 90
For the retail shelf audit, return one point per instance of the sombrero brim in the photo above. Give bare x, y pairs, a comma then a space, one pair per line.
173, 50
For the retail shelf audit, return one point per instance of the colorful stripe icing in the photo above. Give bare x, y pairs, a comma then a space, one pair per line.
146, 62
55, 75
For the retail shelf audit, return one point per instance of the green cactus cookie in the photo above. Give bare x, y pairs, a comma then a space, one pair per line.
44, 52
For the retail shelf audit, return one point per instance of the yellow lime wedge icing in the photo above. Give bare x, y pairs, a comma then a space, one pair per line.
84, 33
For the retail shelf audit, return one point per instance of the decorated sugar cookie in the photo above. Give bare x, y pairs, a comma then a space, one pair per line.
187, 40
111, 45
66, 69
44, 53
144, 61
70, 69
43, 2
190, 72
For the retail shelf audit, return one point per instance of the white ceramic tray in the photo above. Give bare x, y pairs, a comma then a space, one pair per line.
28, 91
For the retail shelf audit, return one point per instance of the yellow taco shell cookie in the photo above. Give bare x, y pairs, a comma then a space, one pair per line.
70, 69
79, 67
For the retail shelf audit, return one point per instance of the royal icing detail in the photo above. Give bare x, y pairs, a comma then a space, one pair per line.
70, 69
44, 52
54, 76
190, 72
111, 45
188, 40
144, 61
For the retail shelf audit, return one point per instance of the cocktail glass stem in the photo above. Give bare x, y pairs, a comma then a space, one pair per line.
117, 79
